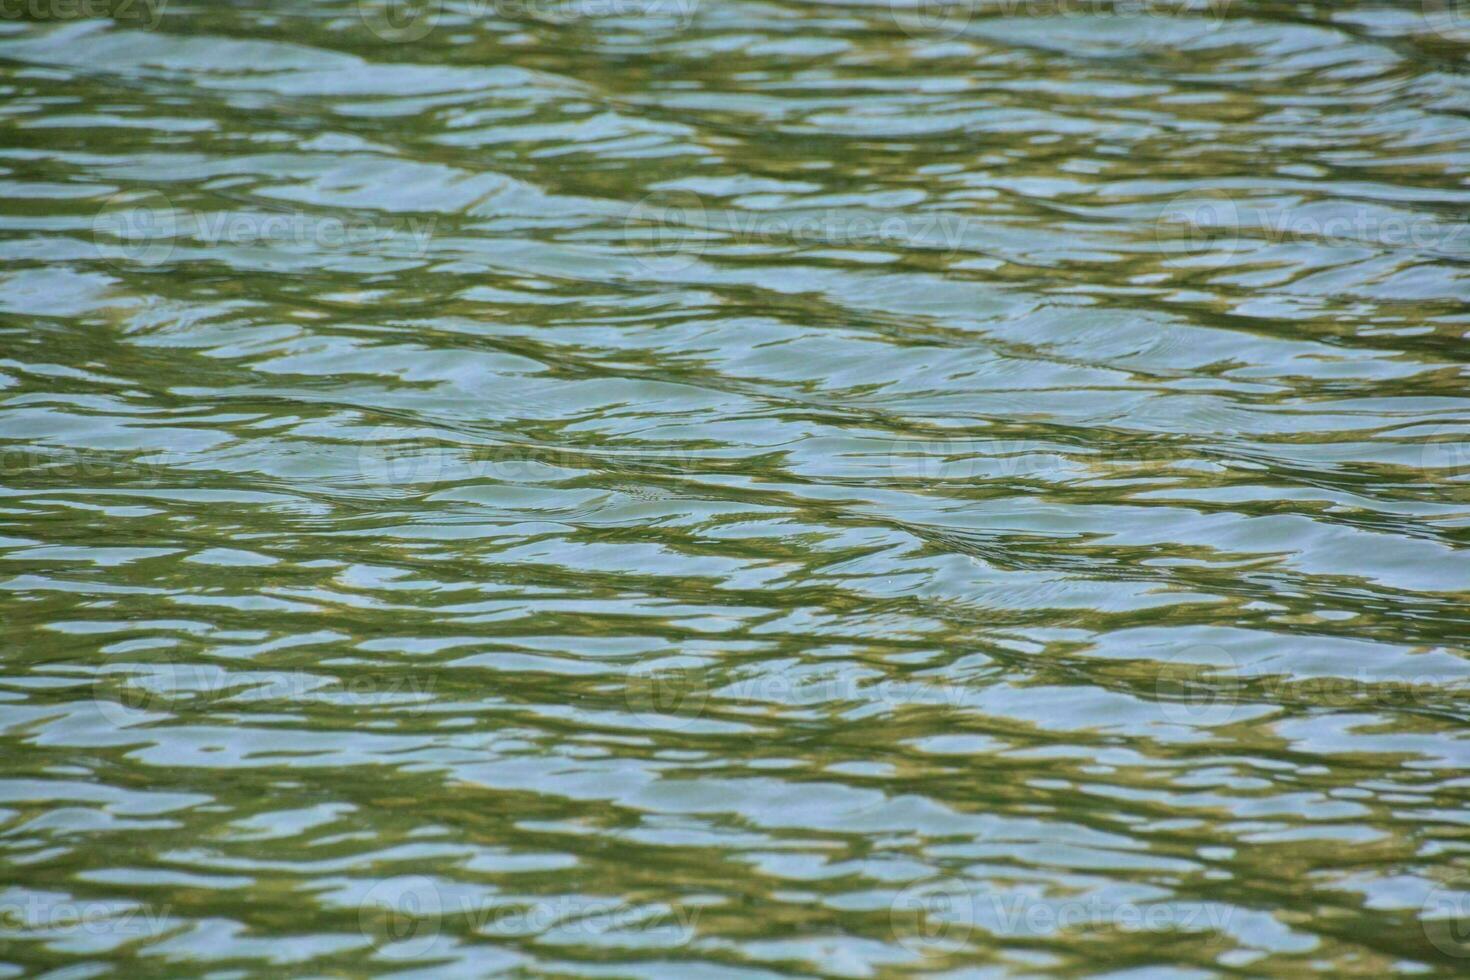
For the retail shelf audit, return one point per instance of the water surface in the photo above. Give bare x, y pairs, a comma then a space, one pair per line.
734, 489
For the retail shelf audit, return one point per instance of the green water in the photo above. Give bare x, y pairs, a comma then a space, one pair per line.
637, 488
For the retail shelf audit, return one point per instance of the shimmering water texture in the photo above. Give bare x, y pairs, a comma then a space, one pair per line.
678, 489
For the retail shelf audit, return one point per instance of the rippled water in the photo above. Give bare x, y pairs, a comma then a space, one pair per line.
699, 489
